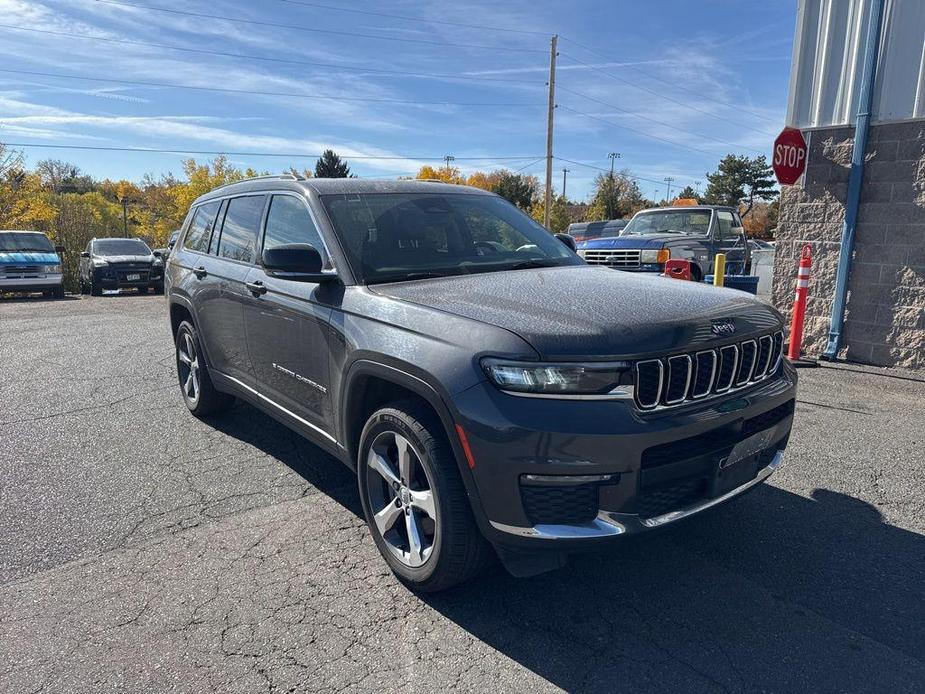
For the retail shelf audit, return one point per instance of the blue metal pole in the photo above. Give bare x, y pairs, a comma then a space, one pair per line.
861, 127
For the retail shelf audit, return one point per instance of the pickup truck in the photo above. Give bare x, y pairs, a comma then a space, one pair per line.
695, 233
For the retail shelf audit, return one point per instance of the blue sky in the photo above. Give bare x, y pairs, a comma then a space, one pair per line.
672, 85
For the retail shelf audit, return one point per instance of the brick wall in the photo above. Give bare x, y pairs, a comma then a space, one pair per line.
885, 317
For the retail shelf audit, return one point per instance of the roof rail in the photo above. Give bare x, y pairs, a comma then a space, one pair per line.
283, 176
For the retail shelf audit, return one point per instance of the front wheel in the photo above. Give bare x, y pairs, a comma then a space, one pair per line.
414, 500
199, 394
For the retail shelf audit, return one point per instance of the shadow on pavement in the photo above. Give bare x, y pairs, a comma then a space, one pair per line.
772, 591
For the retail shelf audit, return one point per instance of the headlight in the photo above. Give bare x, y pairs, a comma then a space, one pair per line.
51, 269
581, 252
558, 379
158, 262
650, 257
99, 262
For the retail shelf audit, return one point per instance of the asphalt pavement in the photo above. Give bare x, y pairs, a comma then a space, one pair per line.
146, 551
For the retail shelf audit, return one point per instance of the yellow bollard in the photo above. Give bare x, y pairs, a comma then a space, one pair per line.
719, 269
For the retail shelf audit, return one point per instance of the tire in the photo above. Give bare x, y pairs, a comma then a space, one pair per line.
94, 290
200, 396
143, 291
451, 548
159, 288
696, 273
58, 292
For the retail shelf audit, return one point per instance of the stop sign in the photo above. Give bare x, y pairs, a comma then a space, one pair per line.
789, 156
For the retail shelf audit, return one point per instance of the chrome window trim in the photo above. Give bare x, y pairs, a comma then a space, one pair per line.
661, 383
735, 368
687, 382
737, 382
715, 357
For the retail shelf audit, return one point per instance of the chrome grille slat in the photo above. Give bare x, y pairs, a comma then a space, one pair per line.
681, 378
612, 257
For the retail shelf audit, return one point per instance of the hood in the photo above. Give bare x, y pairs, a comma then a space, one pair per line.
126, 258
28, 257
641, 241
584, 311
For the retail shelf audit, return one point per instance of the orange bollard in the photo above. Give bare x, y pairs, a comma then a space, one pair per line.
799, 305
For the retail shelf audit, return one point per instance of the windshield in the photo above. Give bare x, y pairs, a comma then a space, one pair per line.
389, 237
120, 247
669, 221
18, 242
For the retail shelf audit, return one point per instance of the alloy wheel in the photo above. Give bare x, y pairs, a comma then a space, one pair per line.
401, 498
188, 367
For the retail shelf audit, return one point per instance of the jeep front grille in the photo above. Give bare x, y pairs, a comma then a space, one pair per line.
612, 257
682, 378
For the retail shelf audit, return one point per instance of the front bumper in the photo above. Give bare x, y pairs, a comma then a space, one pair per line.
31, 283
117, 278
647, 469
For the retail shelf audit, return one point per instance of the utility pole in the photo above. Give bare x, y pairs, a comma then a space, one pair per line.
613, 156
551, 107
565, 173
697, 188
448, 158
668, 180
124, 216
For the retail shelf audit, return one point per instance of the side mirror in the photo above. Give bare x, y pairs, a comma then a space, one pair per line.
568, 240
157, 254
300, 262
84, 254
60, 250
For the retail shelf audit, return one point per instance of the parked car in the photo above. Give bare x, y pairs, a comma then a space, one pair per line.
490, 389
119, 263
694, 233
30, 263
585, 231
171, 242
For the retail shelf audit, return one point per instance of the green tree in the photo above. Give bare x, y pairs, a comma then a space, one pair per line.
519, 189
330, 165
614, 197
740, 180
689, 193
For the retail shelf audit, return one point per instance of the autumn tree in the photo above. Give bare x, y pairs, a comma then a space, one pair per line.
559, 217
330, 165
740, 180
446, 174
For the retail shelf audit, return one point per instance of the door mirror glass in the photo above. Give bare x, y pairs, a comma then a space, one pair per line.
568, 240
295, 261
157, 254
60, 250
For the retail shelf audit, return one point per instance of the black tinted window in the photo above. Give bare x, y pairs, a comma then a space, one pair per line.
120, 247
288, 221
239, 231
200, 228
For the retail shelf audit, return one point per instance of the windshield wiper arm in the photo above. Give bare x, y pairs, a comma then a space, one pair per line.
535, 263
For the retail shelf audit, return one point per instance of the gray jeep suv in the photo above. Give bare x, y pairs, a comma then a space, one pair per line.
495, 394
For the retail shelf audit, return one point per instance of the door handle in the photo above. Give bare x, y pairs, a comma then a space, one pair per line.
256, 288
200, 272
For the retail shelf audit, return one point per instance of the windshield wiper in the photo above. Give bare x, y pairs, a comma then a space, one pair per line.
534, 263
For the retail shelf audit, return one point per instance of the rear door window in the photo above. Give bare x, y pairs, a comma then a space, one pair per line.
239, 230
200, 228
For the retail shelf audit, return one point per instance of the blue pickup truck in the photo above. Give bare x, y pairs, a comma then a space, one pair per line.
694, 233
30, 263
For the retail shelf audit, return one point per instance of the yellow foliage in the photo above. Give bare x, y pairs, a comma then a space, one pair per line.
445, 174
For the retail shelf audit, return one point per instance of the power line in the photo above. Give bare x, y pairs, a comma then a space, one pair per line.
671, 84
246, 56
297, 27
250, 92
652, 120
299, 155
416, 19
522, 168
657, 93
636, 130
601, 168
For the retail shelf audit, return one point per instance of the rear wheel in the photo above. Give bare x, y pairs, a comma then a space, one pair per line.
414, 500
199, 394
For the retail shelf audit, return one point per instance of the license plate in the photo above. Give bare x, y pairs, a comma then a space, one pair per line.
741, 465
748, 448
133, 277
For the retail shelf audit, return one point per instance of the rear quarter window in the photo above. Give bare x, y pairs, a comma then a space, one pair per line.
200, 228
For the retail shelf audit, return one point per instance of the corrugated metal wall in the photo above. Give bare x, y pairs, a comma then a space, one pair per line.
828, 52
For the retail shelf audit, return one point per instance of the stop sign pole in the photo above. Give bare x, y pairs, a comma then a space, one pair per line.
789, 160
